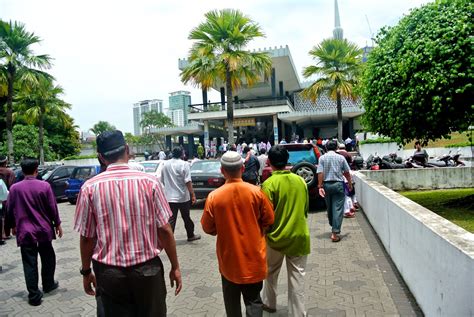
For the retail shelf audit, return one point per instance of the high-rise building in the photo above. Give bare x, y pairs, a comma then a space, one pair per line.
179, 102
140, 108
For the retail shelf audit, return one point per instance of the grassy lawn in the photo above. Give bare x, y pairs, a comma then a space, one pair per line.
456, 138
456, 205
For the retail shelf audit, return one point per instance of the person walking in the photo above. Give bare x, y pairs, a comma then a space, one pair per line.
122, 216
238, 213
288, 238
262, 161
250, 174
176, 179
8, 178
31, 204
332, 168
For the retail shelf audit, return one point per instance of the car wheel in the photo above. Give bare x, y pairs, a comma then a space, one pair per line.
307, 171
72, 201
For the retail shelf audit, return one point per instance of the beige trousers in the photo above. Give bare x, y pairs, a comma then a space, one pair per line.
295, 266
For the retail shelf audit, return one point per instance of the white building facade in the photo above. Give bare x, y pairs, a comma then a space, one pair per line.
142, 107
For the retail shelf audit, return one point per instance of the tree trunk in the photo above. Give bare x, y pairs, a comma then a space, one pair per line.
9, 116
339, 117
230, 107
41, 136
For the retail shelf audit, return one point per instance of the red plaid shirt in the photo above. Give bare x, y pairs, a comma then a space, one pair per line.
122, 208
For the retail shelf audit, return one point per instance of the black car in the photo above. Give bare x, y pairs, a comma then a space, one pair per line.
206, 176
57, 177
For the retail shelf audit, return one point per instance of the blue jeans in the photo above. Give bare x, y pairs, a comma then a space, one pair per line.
334, 198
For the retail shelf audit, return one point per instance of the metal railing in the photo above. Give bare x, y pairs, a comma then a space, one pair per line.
242, 104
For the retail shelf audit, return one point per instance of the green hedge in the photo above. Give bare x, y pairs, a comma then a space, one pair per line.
462, 144
378, 140
80, 157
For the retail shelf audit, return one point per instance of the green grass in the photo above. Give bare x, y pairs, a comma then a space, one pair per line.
457, 140
456, 205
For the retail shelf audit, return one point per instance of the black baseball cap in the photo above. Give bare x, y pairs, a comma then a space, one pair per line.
110, 142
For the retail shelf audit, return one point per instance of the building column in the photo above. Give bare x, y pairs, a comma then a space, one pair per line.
273, 82
275, 129
181, 141
283, 130
293, 130
190, 146
169, 145
280, 89
207, 146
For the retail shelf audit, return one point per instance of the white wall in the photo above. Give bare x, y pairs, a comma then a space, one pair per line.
434, 256
387, 148
424, 178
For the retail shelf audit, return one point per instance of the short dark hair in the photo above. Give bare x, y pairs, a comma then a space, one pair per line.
417, 143
177, 152
278, 156
3, 160
29, 165
331, 145
263, 151
246, 149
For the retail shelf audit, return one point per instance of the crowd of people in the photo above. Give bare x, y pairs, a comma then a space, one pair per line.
126, 218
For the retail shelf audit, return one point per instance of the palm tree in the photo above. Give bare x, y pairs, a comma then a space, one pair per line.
219, 55
102, 126
18, 64
37, 101
155, 119
338, 67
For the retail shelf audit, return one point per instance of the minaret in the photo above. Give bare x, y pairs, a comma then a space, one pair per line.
337, 33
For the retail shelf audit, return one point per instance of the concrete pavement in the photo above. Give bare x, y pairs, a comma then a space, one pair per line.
354, 277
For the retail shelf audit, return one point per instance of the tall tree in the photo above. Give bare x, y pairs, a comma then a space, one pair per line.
39, 100
418, 83
338, 66
155, 119
221, 40
19, 63
102, 126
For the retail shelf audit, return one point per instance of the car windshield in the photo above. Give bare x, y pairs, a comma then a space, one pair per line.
206, 167
150, 167
46, 174
300, 155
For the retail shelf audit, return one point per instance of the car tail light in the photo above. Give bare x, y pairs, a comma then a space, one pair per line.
316, 152
215, 181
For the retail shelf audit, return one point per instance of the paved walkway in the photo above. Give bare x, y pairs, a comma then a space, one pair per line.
351, 278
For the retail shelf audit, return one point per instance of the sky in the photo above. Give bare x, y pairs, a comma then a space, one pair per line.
109, 54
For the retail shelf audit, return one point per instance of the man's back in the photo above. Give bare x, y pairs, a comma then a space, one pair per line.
122, 208
237, 212
288, 193
332, 165
174, 176
34, 208
7, 176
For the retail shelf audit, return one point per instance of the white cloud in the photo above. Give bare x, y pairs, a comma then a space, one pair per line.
109, 54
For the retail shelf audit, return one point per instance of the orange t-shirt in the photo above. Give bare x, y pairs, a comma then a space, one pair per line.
237, 213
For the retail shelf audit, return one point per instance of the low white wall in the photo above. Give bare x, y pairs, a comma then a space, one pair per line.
424, 178
434, 256
467, 152
82, 162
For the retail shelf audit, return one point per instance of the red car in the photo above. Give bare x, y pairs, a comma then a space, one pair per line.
303, 161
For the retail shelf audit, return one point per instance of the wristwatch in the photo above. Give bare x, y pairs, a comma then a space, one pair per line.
85, 272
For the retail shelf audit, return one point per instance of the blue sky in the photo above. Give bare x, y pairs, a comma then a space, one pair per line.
109, 54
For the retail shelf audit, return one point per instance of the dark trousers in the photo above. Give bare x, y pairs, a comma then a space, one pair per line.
335, 198
250, 292
29, 256
184, 208
138, 290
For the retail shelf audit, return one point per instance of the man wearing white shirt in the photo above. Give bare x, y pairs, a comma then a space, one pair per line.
176, 179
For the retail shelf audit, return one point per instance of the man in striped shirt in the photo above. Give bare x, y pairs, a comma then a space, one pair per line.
122, 217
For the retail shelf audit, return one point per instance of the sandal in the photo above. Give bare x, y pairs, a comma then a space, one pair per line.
335, 238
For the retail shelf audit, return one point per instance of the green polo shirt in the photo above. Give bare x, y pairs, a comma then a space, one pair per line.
288, 193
